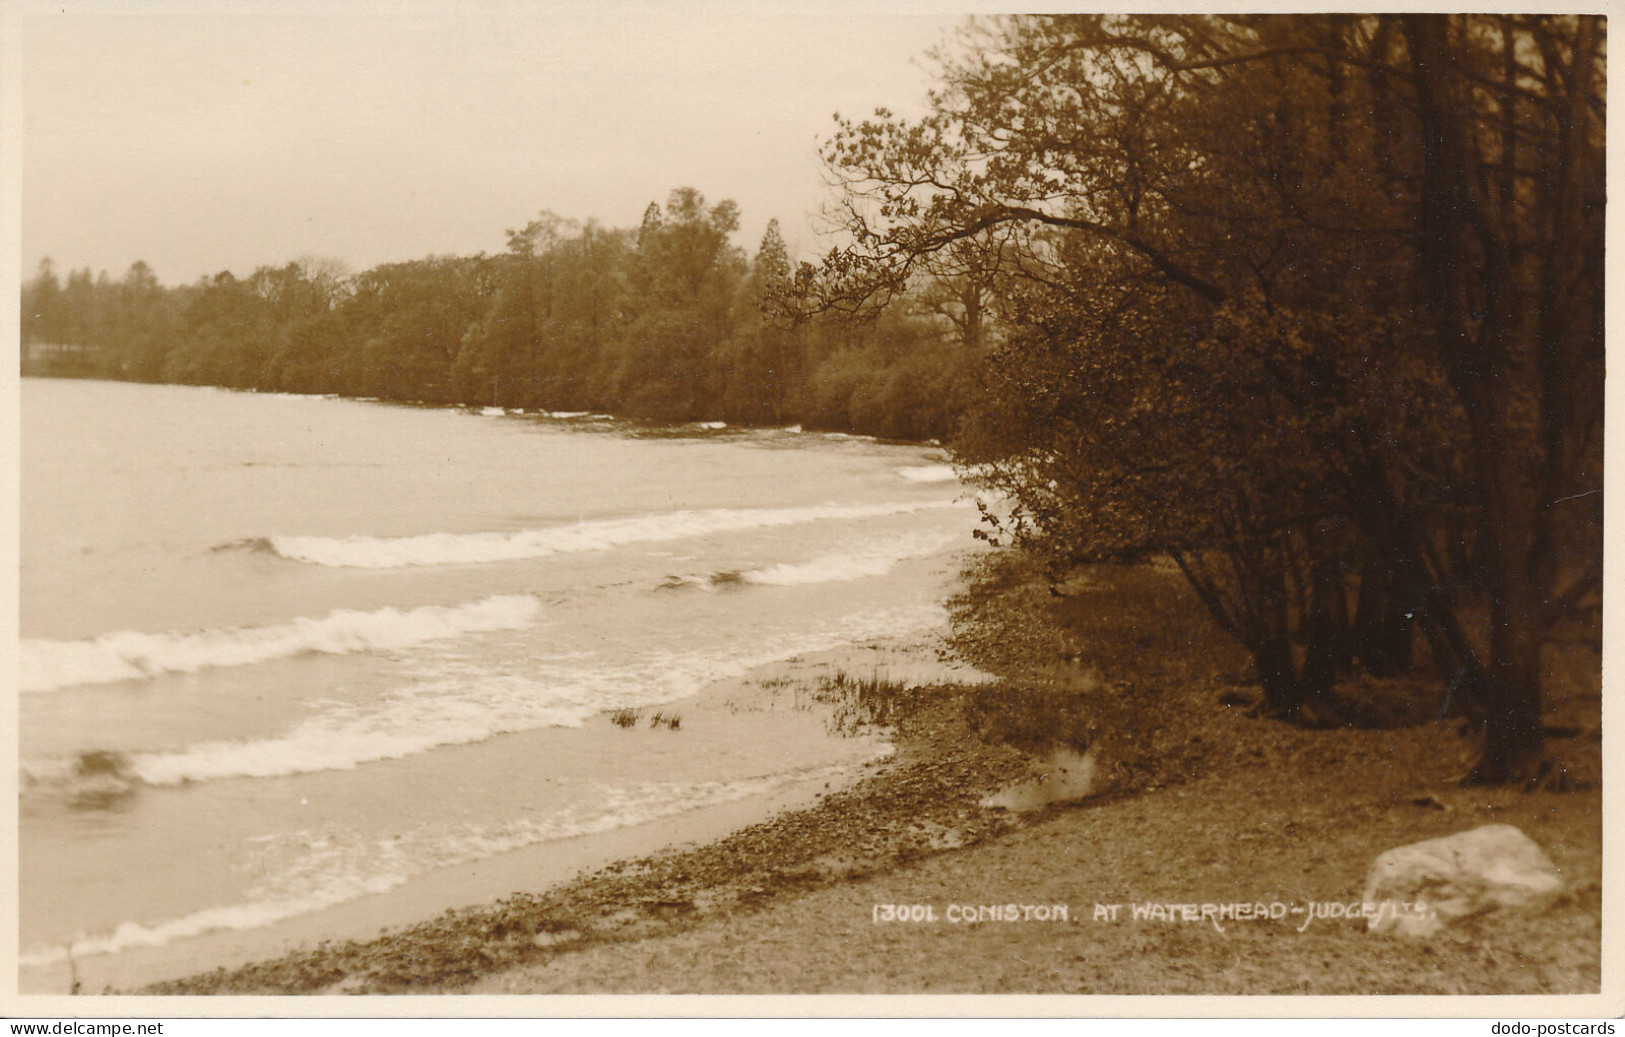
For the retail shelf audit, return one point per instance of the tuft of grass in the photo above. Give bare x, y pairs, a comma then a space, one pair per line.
627, 717
860, 702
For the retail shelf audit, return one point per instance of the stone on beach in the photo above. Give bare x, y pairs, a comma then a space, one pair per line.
1063, 776
1494, 866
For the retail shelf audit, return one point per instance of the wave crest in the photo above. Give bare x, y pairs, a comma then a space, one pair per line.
468, 705
930, 473
363, 552
46, 665
875, 560
853, 565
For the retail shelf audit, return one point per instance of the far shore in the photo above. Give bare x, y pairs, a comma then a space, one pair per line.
1196, 800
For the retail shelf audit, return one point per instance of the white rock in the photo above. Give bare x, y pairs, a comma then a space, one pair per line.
1064, 775
1495, 866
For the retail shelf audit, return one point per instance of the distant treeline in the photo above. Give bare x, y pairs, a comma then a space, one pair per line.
668, 321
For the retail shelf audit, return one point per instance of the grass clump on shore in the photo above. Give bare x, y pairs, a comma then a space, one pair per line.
862, 702
627, 717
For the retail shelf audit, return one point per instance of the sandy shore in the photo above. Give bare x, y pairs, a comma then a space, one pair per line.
1197, 801
1016, 913
789, 906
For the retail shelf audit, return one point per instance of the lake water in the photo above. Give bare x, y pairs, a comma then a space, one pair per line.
281, 653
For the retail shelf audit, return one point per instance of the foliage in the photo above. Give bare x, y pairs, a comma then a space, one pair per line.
669, 322
1276, 298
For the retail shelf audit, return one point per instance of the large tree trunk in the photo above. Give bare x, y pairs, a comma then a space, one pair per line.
1323, 633
1277, 669
1512, 544
1277, 676
1467, 268
1511, 693
1257, 617
1383, 623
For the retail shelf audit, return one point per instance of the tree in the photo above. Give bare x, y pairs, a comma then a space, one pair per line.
224, 336
684, 275
1510, 240
142, 326
408, 325
308, 295
665, 321
1306, 244
43, 312
765, 363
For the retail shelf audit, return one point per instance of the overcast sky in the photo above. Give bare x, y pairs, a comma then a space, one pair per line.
202, 141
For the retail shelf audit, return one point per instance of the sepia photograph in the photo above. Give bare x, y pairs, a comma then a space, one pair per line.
820, 505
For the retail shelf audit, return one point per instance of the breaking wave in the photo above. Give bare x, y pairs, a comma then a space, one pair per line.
876, 560
929, 473
854, 565
465, 704
46, 665
363, 552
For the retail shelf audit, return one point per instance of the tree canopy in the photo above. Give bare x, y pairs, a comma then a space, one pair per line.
1312, 304
669, 321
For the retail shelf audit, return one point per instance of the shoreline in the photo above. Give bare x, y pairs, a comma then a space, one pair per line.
1199, 800
774, 706
645, 425
891, 810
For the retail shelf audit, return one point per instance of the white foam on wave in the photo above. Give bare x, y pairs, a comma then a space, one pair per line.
874, 560
468, 704
929, 473
568, 414
415, 719
363, 552
333, 869
46, 665
493, 412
